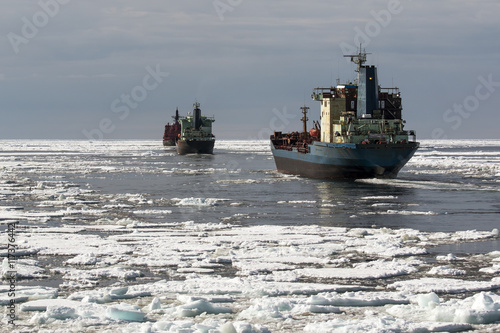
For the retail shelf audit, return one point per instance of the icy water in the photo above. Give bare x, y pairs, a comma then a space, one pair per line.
129, 236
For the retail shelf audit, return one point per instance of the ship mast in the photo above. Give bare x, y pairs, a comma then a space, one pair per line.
359, 59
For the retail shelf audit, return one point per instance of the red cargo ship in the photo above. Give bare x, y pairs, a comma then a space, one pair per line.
172, 131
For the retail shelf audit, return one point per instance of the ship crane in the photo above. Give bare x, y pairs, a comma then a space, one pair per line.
304, 119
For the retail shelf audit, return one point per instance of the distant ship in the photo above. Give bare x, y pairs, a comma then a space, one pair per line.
171, 133
361, 133
196, 134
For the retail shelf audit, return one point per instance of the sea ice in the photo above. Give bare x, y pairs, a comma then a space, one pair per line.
371, 270
249, 267
482, 308
446, 270
449, 257
360, 298
84, 259
443, 285
26, 293
198, 307
24, 269
380, 324
44, 304
126, 312
200, 202
495, 269
100, 273
154, 305
108, 294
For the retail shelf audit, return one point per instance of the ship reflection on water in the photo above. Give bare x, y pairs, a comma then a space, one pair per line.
352, 204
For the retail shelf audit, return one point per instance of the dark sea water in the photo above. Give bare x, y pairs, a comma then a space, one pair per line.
444, 188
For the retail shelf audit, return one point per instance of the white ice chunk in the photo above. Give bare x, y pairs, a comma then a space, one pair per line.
471, 235
495, 269
106, 295
385, 245
494, 254
248, 267
42, 305
60, 312
84, 259
200, 202
196, 308
36, 292
482, 308
227, 328
360, 298
370, 270
251, 287
430, 300
126, 312
446, 270
99, 273
26, 293
268, 308
211, 299
380, 324
448, 257
23, 268
155, 304
207, 326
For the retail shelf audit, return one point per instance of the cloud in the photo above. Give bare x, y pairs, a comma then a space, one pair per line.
262, 55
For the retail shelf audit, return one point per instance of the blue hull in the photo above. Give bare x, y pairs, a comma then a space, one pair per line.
333, 160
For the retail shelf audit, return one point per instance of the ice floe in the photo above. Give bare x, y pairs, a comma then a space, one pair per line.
281, 272
482, 308
444, 285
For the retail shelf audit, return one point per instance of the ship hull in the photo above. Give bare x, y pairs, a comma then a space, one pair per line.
169, 143
195, 146
332, 161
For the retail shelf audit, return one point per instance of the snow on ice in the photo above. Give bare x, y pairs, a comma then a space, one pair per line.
256, 298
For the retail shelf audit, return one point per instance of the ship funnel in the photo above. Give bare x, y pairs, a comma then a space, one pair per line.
196, 116
367, 90
367, 100
176, 115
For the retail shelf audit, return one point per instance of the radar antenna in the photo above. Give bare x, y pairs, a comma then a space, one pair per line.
359, 59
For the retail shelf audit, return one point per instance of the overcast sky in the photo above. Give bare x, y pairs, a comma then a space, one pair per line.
117, 69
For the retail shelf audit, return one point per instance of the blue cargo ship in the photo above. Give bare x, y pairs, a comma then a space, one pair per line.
360, 134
